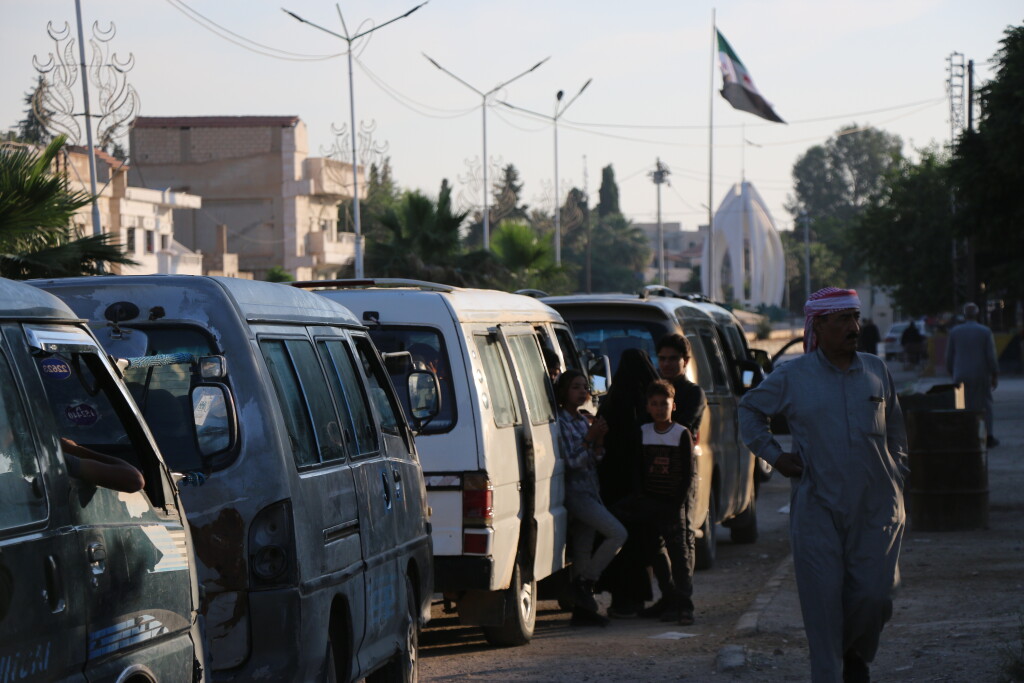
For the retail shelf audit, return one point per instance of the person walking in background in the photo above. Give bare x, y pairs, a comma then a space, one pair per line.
848, 467
624, 408
911, 341
582, 446
971, 360
869, 337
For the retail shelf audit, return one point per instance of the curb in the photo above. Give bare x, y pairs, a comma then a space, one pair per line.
748, 623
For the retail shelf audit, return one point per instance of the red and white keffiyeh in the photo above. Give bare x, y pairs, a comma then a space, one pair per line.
823, 302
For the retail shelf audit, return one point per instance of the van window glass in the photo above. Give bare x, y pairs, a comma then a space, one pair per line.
318, 398
380, 385
162, 393
293, 405
611, 337
714, 354
534, 377
428, 351
704, 378
89, 408
496, 377
569, 355
19, 503
361, 432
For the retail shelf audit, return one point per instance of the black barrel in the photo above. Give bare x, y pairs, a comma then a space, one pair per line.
948, 470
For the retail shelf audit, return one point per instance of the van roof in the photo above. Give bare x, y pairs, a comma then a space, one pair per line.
667, 305
21, 301
466, 304
191, 297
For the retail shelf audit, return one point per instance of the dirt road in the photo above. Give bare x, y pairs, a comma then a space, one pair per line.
959, 615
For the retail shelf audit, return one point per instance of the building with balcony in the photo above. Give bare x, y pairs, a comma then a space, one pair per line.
278, 205
141, 220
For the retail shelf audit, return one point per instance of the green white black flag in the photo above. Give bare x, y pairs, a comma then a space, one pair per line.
737, 85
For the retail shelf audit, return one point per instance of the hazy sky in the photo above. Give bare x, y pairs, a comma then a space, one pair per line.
822, 64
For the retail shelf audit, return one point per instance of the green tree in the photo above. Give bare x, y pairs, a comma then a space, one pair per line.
988, 175
382, 195
905, 239
505, 205
836, 182
34, 128
619, 253
528, 257
825, 267
279, 274
608, 194
421, 240
36, 207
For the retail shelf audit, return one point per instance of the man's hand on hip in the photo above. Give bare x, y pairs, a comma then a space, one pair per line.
789, 465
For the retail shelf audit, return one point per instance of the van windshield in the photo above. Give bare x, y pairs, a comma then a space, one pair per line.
428, 352
162, 393
611, 337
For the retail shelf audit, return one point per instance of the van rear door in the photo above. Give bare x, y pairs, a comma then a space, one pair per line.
543, 485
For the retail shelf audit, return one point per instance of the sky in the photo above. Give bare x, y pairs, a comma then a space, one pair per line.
823, 64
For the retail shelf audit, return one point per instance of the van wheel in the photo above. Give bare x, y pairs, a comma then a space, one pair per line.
706, 548
744, 527
520, 613
404, 666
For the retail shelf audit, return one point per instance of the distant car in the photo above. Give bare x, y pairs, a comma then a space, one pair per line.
891, 342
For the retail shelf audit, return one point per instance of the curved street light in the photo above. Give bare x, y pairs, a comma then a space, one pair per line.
483, 109
352, 111
559, 110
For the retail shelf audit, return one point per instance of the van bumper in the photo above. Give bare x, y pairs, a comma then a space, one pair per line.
454, 573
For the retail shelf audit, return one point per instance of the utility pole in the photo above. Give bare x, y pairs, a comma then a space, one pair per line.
807, 253
660, 175
97, 226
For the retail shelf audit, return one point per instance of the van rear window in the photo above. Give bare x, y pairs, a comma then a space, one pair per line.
428, 352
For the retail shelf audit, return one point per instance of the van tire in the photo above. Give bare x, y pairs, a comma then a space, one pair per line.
520, 613
744, 527
707, 549
404, 666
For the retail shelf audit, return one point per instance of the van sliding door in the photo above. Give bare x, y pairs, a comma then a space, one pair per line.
543, 485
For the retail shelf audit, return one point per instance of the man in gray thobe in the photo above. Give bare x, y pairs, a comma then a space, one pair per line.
848, 467
971, 360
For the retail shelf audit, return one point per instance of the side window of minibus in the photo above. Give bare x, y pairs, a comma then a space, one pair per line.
496, 378
360, 430
19, 469
380, 385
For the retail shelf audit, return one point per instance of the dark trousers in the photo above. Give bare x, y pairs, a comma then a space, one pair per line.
664, 524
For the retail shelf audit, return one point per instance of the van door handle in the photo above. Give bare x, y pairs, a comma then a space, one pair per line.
396, 473
54, 591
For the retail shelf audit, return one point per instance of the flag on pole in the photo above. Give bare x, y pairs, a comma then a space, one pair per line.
737, 85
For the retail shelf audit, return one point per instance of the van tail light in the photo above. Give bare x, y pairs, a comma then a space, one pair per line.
477, 501
272, 556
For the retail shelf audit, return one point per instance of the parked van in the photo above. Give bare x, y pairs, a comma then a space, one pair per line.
607, 324
305, 493
490, 457
95, 584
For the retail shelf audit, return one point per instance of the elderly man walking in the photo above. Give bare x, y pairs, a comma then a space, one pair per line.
848, 467
971, 360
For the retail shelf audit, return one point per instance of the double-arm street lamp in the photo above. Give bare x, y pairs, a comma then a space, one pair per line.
559, 110
483, 109
352, 111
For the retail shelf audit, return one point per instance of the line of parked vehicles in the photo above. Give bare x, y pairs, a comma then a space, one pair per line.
321, 460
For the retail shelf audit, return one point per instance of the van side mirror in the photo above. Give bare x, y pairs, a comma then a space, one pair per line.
762, 358
211, 418
750, 373
600, 371
424, 397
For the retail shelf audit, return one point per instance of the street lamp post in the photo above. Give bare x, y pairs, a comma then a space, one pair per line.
483, 109
807, 251
352, 112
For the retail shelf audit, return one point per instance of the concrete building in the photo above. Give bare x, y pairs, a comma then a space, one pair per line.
141, 220
279, 206
683, 250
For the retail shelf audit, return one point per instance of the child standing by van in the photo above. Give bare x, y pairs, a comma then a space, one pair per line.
667, 498
582, 446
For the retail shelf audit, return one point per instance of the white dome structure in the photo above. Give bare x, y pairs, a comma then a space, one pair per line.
745, 232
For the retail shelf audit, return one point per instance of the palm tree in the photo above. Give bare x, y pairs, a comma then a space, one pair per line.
36, 206
528, 258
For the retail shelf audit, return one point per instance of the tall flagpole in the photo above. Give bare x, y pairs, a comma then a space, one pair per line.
711, 164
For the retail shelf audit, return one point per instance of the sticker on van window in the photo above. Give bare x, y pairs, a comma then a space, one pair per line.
55, 368
82, 414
